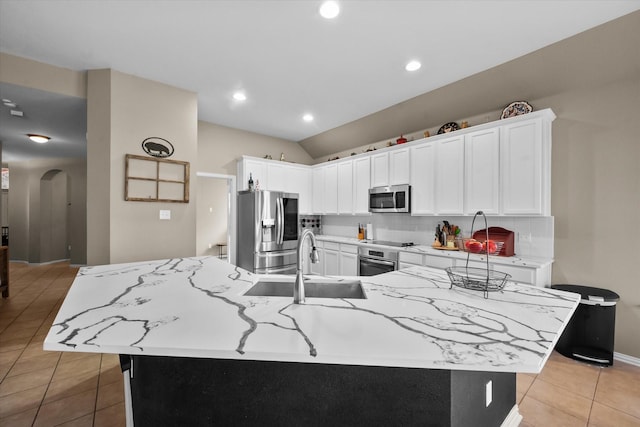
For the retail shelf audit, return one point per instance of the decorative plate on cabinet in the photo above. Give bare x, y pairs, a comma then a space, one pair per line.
516, 109
448, 127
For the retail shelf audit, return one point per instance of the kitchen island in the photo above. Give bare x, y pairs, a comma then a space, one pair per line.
413, 351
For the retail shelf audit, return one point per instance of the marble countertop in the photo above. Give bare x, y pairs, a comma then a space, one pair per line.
428, 250
195, 307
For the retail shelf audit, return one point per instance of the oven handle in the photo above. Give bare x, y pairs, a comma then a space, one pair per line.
377, 261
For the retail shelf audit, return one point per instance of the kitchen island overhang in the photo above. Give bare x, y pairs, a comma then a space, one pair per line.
195, 308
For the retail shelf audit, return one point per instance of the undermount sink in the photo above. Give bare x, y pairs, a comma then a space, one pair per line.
313, 288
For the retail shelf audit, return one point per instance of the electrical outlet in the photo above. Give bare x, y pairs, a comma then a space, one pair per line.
488, 393
165, 214
525, 237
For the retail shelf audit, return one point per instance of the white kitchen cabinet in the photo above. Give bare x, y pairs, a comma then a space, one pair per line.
299, 181
410, 259
399, 166
379, 169
423, 159
331, 258
439, 261
276, 177
449, 176
317, 184
345, 186
361, 185
390, 168
525, 168
482, 171
254, 167
330, 188
348, 260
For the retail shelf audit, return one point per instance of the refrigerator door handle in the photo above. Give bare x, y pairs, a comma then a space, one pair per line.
278, 221
281, 220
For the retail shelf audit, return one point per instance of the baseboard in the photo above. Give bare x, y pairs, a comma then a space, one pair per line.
626, 359
513, 418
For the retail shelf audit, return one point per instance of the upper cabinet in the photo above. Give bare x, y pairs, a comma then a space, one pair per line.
525, 166
361, 185
500, 168
390, 167
449, 179
482, 171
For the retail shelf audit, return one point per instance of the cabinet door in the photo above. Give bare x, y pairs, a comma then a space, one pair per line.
379, 169
361, 185
521, 152
345, 187
423, 160
331, 262
399, 166
348, 264
449, 177
299, 180
258, 171
277, 178
482, 171
317, 178
331, 189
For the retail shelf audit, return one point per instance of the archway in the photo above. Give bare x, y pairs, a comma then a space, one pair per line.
54, 218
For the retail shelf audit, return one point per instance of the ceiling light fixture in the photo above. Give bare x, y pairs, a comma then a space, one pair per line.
329, 9
40, 139
239, 96
413, 66
307, 118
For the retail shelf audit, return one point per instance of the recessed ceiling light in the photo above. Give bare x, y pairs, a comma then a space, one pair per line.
413, 66
239, 96
40, 139
329, 9
307, 118
9, 103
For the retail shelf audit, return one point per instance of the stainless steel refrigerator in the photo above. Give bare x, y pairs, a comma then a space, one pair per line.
267, 231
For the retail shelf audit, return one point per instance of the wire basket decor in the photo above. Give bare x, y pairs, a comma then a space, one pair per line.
477, 279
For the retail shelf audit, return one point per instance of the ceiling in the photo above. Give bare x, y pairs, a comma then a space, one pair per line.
286, 58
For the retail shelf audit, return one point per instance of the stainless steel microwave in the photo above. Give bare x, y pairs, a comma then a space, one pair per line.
392, 198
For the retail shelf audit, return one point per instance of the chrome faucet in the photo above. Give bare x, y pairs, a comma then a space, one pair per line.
298, 288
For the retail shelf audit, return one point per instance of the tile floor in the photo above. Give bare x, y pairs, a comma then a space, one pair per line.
41, 388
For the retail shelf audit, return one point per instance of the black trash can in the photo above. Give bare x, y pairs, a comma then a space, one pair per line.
590, 333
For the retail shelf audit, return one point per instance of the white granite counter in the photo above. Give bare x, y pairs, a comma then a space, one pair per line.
428, 250
195, 307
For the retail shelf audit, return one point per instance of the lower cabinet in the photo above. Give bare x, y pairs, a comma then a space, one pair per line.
537, 276
348, 260
331, 259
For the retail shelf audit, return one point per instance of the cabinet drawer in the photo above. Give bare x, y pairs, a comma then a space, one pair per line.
332, 246
438, 261
518, 274
351, 249
412, 258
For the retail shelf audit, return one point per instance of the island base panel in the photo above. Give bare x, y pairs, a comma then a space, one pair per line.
192, 391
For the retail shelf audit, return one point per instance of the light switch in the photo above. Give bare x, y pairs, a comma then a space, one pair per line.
165, 214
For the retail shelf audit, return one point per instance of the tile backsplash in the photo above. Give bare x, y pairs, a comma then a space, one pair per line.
533, 235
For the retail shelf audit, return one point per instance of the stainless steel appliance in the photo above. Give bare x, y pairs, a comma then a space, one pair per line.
267, 231
392, 198
373, 261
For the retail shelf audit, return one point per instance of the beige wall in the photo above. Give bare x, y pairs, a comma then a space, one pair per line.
220, 147
212, 214
138, 109
25, 209
38, 75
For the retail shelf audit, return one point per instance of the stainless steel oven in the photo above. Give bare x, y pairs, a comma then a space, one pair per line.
374, 261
